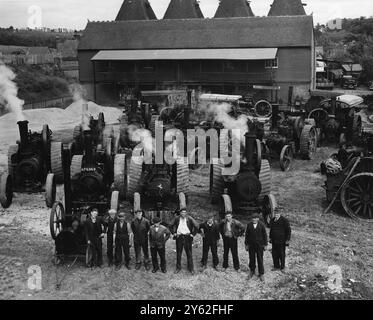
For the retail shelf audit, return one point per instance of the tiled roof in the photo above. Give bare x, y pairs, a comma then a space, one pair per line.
287, 8
183, 9
253, 32
136, 10
234, 8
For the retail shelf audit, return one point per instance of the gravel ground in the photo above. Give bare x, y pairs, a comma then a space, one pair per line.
318, 242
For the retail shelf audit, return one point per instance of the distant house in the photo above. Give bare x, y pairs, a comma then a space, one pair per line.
352, 69
335, 24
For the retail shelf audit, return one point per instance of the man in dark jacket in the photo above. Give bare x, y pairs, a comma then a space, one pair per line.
109, 229
94, 235
279, 236
184, 230
123, 240
210, 234
256, 242
231, 230
158, 237
140, 228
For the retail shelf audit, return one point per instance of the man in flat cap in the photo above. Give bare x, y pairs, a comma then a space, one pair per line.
279, 236
109, 229
211, 235
140, 228
158, 237
94, 234
184, 230
256, 242
123, 240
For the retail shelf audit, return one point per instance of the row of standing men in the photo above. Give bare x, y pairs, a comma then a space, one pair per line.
121, 235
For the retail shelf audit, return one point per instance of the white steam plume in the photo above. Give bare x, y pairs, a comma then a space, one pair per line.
9, 91
220, 113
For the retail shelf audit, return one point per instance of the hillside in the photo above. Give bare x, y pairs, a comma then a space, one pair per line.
353, 43
31, 38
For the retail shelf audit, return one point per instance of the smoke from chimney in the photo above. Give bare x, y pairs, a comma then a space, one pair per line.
9, 91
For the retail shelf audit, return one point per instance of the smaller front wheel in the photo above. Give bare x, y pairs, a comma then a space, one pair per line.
56, 219
286, 158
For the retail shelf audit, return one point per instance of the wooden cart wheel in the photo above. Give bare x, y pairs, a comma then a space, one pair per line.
268, 208
357, 197
50, 190
56, 220
286, 158
6, 190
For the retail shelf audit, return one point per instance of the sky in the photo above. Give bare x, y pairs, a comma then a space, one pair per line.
73, 14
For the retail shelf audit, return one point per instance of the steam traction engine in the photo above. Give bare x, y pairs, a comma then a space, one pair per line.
33, 162
337, 120
154, 186
289, 135
89, 185
249, 191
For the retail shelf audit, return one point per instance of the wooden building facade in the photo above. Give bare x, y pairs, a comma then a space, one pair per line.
221, 55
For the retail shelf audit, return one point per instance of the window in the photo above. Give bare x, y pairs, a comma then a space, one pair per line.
271, 64
235, 66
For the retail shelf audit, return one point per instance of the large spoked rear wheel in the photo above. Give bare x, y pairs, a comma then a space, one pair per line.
225, 205
216, 180
56, 161
308, 142
114, 201
57, 217
6, 190
120, 174
136, 202
268, 208
357, 197
182, 200
50, 190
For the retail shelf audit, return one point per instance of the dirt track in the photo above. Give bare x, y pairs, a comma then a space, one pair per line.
317, 243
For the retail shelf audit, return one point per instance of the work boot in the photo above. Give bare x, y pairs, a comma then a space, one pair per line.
147, 267
164, 271
251, 274
155, 270
138, 266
